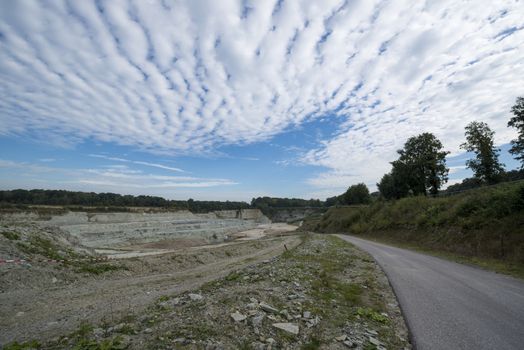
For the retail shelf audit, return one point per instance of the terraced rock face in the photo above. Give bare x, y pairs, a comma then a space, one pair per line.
97, 230
124, 229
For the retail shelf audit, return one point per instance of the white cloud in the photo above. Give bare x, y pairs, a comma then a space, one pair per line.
189, 76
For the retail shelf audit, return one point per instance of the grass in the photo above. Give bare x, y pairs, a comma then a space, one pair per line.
32, 344
96, 268
495, 265
12, 236
81, 339
41, 246
484, 226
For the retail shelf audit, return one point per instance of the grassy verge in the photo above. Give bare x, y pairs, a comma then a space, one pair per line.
494, 265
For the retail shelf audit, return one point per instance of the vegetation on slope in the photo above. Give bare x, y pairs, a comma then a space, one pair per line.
486, 222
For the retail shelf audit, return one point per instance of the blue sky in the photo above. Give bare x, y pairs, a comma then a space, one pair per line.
238, 99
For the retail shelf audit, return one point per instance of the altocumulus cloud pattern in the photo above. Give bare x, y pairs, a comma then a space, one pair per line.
191, 76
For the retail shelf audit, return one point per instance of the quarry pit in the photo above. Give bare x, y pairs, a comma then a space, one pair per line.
56, 285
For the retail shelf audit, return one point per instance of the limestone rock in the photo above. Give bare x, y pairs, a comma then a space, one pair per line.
195, 297
238, 317
268, 308
288, 327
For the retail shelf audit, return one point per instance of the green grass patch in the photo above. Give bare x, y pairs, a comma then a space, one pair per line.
97, 268
32, 344
41, 246
10, 235
372, 315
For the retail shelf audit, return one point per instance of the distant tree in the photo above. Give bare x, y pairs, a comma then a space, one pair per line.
331, 201
486, 165
357, 194
517, 145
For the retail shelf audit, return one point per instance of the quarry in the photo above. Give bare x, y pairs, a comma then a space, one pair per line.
155, 279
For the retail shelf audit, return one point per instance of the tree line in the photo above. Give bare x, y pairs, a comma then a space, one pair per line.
274, 202
91, 199
421, 166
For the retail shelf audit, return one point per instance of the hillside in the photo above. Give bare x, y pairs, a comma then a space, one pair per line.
485, 223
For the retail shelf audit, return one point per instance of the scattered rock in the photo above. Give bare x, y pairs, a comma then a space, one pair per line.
268, 308
349, 344
256, 321
288, 327
54, 280
238, 317
307, 314
252, 306
341, 338
20, 313
374, 341
148, 330
286, 314
313, 322
180, 340
176, 301
195, 297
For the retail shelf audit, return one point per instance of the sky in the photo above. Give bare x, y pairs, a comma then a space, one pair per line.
230, 100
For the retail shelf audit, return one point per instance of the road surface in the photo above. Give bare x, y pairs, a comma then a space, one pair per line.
449, 305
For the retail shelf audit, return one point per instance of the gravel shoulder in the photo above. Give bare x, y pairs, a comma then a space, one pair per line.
317, 292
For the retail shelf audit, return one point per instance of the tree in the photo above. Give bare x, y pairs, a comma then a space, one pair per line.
394, 185
517, 145
422, 164
357, 194
486, 165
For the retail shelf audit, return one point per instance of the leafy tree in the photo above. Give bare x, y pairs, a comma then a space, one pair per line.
357, 194
331, 201
393, 184
517, 145
486, 165
422, 164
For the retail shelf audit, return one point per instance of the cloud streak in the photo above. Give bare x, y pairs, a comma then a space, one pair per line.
119, 178
154, 165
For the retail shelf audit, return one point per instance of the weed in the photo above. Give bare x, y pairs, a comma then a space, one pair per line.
32, 344
372, 315
41, 246
12, 236
233, 276
97, 268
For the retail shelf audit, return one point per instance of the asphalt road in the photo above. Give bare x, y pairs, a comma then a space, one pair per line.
452, 306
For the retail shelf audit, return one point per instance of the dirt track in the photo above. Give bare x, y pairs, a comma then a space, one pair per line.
48, 311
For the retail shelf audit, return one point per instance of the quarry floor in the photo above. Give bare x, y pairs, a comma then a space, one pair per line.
43, 300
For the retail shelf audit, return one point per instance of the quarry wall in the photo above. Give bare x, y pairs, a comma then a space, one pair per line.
120, 229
